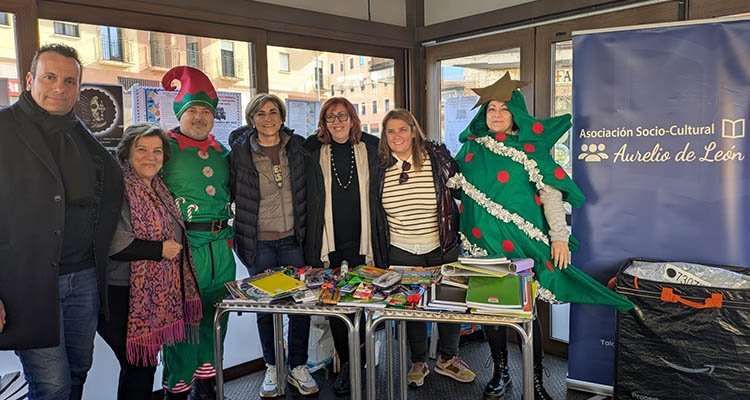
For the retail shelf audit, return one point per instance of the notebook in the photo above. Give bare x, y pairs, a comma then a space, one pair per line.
277, 283
495, 292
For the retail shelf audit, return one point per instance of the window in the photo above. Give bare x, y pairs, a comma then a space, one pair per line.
374, 106
227, 59
159, 51
314, 77
351, 63
144, 52
66, 29
374, 129
10, 86
111, 39
458, 76
361, 61
386, 105
284, 62
319, 82
193, 53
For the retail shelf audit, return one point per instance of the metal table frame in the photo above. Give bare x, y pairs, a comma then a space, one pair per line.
523, 326
278, 311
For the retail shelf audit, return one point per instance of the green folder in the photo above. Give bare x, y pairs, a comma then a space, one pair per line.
495, 292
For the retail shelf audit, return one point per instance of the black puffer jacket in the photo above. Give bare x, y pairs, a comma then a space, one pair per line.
316, 195
443, 167
244, 184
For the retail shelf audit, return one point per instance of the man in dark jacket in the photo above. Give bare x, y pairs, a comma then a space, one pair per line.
60, 205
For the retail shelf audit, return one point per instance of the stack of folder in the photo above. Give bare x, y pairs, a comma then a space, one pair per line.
496, 285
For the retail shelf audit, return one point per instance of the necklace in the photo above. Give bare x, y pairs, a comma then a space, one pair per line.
336, 174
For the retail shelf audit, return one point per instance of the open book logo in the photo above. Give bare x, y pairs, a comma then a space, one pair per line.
733, 129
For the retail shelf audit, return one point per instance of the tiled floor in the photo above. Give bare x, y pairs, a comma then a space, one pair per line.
476, 354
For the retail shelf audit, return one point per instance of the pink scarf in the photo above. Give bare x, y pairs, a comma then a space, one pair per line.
165, 304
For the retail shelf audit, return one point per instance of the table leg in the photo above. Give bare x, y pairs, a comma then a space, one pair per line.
389, 355
218, 359
528, 361
403, 360
355, 359
278, 333
370, 355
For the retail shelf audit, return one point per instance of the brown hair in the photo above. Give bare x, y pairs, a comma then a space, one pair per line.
61, 49
257, 102
134, 133
355, 133
419, 139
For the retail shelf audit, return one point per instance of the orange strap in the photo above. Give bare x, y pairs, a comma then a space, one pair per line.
715, 301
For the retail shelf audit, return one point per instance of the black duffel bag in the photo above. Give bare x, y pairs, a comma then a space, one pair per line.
689, 336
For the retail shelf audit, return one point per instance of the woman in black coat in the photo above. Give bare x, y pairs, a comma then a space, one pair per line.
339, 218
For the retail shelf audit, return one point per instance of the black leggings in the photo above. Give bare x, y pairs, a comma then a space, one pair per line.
136, 382
497, 338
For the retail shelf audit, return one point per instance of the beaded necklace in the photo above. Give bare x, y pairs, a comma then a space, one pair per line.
351, 170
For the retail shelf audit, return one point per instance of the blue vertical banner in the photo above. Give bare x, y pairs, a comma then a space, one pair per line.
660, 125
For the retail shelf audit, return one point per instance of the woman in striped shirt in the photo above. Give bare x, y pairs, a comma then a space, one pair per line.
417, 225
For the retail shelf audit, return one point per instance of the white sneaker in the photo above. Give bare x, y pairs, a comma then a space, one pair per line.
269, 388
301, 379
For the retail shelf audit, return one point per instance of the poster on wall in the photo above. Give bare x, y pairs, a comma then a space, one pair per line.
302, 116
458, 114
661, 151
100, 108
154, 104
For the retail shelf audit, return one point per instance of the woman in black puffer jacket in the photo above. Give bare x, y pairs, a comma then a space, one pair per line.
268, 180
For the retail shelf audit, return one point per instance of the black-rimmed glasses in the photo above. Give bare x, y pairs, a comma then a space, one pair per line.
404, 177
342, 117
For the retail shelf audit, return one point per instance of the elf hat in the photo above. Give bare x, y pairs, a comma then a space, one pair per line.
195, 89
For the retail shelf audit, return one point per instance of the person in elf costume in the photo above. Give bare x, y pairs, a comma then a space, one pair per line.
511, 205
197, 175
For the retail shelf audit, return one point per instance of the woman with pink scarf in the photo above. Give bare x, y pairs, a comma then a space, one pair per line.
152, 289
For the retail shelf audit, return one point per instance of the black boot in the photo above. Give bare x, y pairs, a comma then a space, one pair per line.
498, 385
342, 384
175, 396
203, 389
539, 392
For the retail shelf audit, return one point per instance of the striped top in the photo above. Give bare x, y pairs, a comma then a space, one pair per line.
411, 208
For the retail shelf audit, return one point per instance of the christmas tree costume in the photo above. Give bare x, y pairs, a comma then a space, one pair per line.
501, 212
197, 175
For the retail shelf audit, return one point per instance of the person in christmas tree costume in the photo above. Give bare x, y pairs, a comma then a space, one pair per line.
512, 194
197, 174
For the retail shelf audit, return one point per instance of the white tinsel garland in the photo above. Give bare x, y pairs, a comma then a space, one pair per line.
473, 249
535, 176
496, 210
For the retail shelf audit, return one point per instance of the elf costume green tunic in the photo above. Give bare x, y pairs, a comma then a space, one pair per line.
197, 175
501, 213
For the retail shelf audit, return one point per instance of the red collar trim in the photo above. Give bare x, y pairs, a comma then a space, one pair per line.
203, 145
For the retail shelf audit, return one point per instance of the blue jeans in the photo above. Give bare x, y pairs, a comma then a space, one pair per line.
58, 373
272, 254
